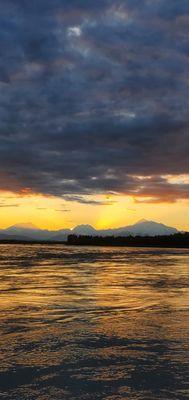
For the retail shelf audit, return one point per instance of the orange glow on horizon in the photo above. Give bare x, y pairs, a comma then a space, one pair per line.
53, 213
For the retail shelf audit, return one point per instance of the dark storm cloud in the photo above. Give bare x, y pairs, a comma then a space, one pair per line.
93, 95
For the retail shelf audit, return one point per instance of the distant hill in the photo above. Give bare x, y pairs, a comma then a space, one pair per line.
28, 231
150, 228
84, 230
18, 238
22, 226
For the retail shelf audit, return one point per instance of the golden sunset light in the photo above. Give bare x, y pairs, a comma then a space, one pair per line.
94, 199
53, 213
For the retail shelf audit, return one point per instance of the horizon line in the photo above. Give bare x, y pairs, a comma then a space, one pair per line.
35, 227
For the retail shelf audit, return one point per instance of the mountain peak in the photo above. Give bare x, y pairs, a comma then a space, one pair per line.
151, 228
142, 221
23, 225
141, 228
83, 230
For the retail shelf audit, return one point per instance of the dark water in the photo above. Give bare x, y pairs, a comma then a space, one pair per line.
93, 323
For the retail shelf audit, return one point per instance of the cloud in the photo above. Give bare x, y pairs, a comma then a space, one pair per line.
63, 210
86, 200
74, 31
8, 205
94, 94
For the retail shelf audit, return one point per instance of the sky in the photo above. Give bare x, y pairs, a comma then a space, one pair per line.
94, 112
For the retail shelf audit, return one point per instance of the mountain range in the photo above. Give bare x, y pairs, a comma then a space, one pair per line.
29, 232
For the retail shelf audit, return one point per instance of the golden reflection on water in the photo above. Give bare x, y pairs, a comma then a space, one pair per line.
93, 323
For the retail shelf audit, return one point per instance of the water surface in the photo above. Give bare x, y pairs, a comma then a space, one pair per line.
93, 323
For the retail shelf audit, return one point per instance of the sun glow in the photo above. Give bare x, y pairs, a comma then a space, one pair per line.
101, 211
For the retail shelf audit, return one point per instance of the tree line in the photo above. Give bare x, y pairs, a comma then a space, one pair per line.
177, 240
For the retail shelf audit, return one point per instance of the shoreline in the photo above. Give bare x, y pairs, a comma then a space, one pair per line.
50, 243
